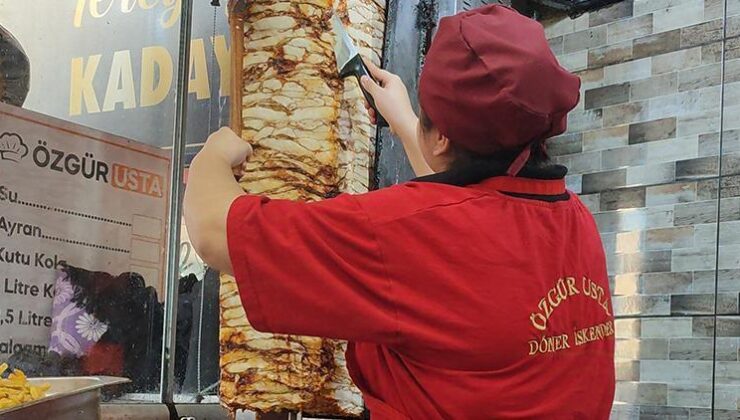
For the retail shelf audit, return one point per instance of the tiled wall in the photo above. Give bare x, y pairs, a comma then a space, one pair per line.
659, 107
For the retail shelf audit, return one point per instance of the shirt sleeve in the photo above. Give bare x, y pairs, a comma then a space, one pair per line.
311, 269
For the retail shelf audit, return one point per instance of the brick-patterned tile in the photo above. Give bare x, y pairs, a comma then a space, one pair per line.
660, 43
714, 9
649, 412
591, 78
669, 238
683, 192
711, 53
661, 129
666, 283
556, 45
642, 7
584, 40
660, 173
625, 72
623, 198
660, 85
628, 370
688, 13
602, 181
610, 54
607, 95
641, 393
690, 395
727, 326
624, 157
703, 304
686, 103
728, 373
565, 144
672, 150
666, 327
627, 29
612, 13
581, 163
676, 371
641, 349
699, 77
697, 123
628, 328
626, 113
701, 34
702, 167
575, 61
677, 60
607, 138
585, 120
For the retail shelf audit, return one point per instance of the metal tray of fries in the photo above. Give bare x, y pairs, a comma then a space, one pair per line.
72, 398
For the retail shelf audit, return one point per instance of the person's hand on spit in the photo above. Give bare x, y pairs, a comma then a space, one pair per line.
478, 290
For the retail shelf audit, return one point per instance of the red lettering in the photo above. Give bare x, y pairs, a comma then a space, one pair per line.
136, 180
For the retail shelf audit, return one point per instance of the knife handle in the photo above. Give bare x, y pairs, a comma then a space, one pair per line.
356, 67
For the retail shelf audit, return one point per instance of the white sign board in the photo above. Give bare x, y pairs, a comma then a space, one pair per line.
69, 193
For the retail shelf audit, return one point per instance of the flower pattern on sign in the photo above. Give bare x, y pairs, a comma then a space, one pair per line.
63, 292
90, 327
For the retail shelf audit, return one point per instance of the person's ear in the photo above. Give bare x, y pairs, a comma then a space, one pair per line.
442, 145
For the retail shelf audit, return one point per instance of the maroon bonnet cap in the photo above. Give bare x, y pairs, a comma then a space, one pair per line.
491, 83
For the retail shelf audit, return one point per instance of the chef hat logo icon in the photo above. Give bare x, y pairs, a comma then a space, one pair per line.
12, 147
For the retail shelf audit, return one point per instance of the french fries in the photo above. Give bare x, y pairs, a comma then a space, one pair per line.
15, 390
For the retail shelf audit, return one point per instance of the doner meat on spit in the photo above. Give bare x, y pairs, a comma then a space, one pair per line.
312, 140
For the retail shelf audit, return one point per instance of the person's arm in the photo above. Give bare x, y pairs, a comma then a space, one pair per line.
392, 100
209, 193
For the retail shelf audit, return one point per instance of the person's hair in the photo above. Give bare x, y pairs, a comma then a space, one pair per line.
464, 157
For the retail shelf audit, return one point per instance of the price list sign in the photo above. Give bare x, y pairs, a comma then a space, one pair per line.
75, 195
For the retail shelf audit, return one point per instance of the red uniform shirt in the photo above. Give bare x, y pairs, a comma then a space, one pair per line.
458, 302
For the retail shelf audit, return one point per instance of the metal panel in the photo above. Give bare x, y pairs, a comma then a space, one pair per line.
400, 57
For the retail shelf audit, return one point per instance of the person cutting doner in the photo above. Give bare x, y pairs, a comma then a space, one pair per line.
479, 289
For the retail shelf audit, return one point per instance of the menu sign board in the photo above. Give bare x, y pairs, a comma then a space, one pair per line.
77, 195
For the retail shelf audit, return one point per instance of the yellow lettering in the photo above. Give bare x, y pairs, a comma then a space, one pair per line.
533, 347
155, 60
554, 304
146, 5
79, 10
198, 83
172, 12
95, 12
120, 83
564, 337
562, 289
543, 305
538, 321
572, 289
127, 6
223, 56
586, 286
81, 85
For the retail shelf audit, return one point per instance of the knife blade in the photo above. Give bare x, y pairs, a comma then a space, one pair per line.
349, 63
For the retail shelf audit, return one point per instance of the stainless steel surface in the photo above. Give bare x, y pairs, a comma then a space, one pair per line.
344, 48
73, 398
167, 374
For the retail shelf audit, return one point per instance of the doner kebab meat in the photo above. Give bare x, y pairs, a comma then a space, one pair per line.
312, 139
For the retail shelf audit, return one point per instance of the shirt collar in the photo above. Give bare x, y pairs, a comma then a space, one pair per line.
480, 171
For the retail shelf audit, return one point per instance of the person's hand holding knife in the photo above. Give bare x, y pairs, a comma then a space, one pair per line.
392, 101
